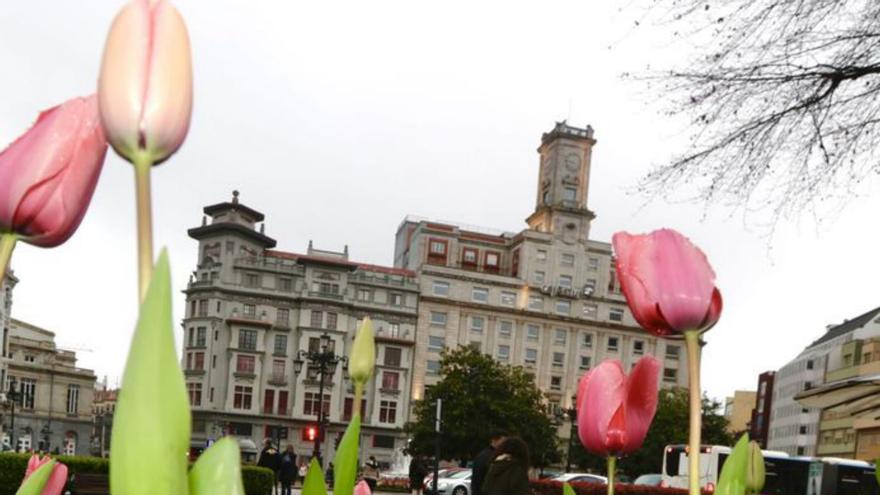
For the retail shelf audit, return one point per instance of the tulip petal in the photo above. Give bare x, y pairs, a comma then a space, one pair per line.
683, 281
629, 249
732, 480
362, 488
36, 481
714, 312
641, 402
567, 489
314, 483
604, 394
218, 470
346, 459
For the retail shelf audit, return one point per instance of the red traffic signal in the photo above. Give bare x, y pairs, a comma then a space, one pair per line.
311, 433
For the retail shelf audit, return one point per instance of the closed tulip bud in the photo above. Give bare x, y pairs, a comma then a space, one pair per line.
363, 353
362, 488
48, 175
755, 475
145, 87
43, 477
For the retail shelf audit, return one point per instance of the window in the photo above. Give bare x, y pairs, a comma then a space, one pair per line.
491, 260
230, 247
281, 344
278, 366
315, 344
198, 361
505, 328
586, 340
508, 298
433, 367
331, 321
672, 351
440, 288
555, 383
438, 319
480, 294
29, 358
560, 336
802, 430
670, 375
808, 385
392, 356
247, 339
251, 280
558, 359
810, 364
477, 324
567, 259
615, 314
531, 356
394, 330
203, 307
565, 281
390, 380
213, 361
383, 442
563, 307
28, 392
311, 403
438, 247
569, 194
285, 284
436, 343
590, 286
541, 255
387, 411
612, 344
195, 393
503, 352
250, 311
539, 277
317, 319
592, 264
365, 294
72, 399
282, 402
241, 399
476, 345
532, 332
638, 347
536, 303
590, 311
469, 256
585, 363
347, 408
201, 336
395, 299
282, 317
800, 451
245, 364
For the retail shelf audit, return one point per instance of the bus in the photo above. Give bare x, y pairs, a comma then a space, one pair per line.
785, 475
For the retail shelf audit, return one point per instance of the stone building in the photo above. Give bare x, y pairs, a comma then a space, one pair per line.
738, 410
759, 425
7, 283
103, 408
54, 404
545, 298
250, 311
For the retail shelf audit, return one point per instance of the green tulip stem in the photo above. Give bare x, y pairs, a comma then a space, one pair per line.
142, 165
358, 393
7, 244
612, 467
692, 339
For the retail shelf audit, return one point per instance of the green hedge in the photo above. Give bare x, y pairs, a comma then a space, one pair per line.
257, 480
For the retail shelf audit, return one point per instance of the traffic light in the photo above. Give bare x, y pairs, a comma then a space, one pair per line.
311, 433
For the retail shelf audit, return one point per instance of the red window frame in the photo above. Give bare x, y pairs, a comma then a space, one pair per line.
489, 267
438, 258
469, 250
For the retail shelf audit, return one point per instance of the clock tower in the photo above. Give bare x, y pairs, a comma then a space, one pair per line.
563, 183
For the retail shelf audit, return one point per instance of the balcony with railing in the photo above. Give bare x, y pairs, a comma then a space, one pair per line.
268, 264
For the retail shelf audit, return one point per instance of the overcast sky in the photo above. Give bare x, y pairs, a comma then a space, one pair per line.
336, 119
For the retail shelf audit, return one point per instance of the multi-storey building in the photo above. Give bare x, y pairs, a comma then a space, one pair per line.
250, 310
54, 403
103, 407
545, 298
738, 410
794, 428
759, 425
7, 283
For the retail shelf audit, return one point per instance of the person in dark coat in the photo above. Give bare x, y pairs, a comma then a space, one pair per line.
509, 472
482, 462
271, 459
288, 470
418, 469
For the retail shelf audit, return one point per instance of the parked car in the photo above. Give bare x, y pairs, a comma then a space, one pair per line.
428, 484
451, 482
649, 480
581, 478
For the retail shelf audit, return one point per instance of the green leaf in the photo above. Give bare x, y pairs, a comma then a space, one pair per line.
567, 489
314, 483
733, 475
218, 470
33, 484
151, 425
345, 464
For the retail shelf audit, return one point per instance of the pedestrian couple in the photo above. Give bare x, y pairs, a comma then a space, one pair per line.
282, 464
502, 468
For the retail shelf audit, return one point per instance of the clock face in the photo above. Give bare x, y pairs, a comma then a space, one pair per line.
572, 162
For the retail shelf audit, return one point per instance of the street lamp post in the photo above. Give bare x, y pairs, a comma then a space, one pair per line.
571, 413
323, 360
13, 395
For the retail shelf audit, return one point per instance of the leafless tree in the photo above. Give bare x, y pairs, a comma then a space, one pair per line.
782, 97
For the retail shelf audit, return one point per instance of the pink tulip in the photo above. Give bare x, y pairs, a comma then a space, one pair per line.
362, 488
667, 281
145, 86
57, 479
48, 175
614, 411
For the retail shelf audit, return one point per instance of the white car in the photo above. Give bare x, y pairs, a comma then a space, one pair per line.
581, 478
455, 483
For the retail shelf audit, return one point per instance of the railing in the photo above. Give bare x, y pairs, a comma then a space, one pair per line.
383, 279
268, 263
329, 295
278, 379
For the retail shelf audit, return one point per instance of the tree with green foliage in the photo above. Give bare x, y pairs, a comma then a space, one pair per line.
481, 396
670, 427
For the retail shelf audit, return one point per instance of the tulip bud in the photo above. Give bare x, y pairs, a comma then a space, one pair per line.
43, 477
362, 488
48, 175
755, 474
145, 85
363, 353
